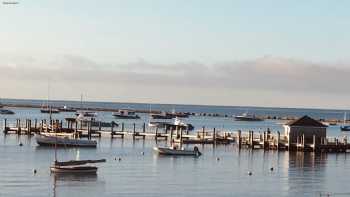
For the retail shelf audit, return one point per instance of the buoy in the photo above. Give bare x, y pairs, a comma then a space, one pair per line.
142, 153
34, 171
250, 173
271, 169
119, 159
217, 159
20, 144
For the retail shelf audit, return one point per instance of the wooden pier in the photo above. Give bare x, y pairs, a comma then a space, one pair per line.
243, 139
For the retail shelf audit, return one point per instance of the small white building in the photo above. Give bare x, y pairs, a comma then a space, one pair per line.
305, 128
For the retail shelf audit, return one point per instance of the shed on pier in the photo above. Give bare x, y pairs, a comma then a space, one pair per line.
304, 129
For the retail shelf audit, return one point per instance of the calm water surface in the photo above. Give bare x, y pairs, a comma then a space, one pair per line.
294, 174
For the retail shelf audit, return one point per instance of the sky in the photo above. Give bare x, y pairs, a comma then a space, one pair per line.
227, 52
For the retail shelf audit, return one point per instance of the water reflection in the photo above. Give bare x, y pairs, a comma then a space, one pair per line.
63, 183
306, 173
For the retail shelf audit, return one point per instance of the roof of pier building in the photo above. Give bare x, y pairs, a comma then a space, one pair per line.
305, 121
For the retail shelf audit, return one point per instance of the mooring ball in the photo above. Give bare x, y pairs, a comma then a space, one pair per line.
142, 153
34, 171
271, 168
217, 159
250, 173
20, 144
119, 159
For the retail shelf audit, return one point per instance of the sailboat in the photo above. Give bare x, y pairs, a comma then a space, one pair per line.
74, 166
345, 127
175, 150
84, 114
47, 108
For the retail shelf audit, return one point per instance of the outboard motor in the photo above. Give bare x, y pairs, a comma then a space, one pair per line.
196, 150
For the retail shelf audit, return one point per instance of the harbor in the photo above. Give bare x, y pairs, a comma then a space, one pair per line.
233, 152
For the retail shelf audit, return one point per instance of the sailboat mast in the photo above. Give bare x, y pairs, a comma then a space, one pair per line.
81, 101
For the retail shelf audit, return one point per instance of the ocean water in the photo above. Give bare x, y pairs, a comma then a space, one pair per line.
220, 171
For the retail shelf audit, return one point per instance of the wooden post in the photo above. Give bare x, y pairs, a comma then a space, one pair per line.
239, 139
5, 126
19, 127
203, 133
278, 139
134, 131
156, 136
29, 127
35, 123
171, 135
112, 128
314, 142
252, 139
144, 130
214, 136
76, 135
180, 138
303, 140
100, 126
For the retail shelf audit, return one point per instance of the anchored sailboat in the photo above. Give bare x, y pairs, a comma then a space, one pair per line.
345, 127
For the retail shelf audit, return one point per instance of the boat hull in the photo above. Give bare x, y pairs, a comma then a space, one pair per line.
345, 128
238, 118
63, 141
126, 117
74, 169
169, 151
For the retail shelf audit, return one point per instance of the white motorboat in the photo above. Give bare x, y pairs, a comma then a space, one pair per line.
247, 117
177, 151
50, 140
125, 114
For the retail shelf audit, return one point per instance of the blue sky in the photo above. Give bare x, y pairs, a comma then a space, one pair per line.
185, 40
181, 30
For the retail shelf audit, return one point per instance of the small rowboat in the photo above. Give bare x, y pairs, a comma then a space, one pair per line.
174, 151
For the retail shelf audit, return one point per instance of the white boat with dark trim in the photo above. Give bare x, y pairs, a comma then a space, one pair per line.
173, 150
50, 140
247, 117
125, 114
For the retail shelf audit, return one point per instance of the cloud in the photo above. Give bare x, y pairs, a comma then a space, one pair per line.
266, 73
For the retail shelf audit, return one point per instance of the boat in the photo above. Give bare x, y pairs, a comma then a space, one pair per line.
162, 115
173, 150
48, 110
247, 117
51, 140
177, 150
75, 166
84, 115
6, 112
345, 127
177, 123
66, 109
125, 114
167, 115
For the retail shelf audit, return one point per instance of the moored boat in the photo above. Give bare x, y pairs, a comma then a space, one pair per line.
66, 109
175, 151
6, 112
48, 110
50, 140
247, 117
125, 114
